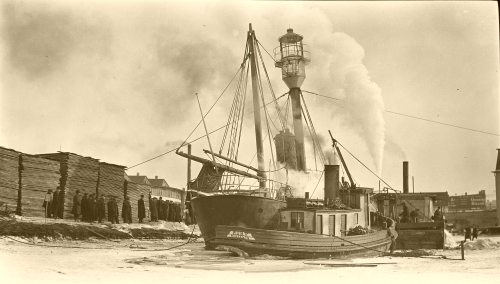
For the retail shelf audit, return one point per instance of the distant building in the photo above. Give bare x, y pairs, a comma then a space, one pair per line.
467, 203
139, 179
158, 182
159, 188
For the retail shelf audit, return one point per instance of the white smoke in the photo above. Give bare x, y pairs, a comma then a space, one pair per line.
302, 182
363, 105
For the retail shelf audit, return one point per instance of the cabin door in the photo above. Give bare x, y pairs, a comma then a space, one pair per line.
343, 224
331, 225
319, 224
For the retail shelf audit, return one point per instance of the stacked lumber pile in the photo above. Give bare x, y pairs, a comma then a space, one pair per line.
9, 178
77, 173
134, 191
111, 181
38, 175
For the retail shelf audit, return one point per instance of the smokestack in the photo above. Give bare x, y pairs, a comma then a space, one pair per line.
406, 188
331, 182
497, 185
307, 195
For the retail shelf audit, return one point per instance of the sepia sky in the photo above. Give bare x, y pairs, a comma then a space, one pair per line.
116, 80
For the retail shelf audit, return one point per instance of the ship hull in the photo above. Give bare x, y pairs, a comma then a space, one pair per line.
235, 210
301, 245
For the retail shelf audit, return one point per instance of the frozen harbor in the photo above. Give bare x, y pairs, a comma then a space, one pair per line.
137, 261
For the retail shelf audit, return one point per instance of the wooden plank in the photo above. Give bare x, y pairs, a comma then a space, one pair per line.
421, 225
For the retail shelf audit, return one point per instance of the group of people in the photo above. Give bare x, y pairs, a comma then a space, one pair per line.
91, 208
468, 231
412, 217
53, 204
167, 210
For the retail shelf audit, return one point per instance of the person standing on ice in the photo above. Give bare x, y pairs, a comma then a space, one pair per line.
474, 233
101, 209
111, 210
47, 204
77, 206
127, 211
84, 210
55, 203
467, 233
141, 208
153, 208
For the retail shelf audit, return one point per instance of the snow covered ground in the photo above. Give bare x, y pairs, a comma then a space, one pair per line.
138, 261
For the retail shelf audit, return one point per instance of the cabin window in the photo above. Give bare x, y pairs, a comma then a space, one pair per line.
297, 220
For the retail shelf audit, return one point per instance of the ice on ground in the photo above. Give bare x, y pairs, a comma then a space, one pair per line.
481, 244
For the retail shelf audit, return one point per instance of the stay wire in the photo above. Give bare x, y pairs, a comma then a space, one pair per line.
390, 187
184, 143
415, 117
194, 139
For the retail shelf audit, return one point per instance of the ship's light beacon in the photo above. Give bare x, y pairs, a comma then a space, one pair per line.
292, 56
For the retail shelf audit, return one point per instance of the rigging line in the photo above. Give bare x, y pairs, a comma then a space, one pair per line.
233, 106
456, 126
262, 92
390, 187
183, 143
191, 141
332, 98
366, 166
271, 88
315, 135
415, 117
265, 50
322, 172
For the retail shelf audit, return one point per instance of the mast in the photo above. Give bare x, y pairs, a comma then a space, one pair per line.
256, 109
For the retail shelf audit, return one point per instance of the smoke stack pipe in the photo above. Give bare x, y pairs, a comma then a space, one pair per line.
307, 195
331, 182
406, 188
497, 186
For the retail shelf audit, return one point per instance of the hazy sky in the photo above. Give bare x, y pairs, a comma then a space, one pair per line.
115, 80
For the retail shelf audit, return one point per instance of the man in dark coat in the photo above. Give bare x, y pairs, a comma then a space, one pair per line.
167, 210
438, 215
90, 208
141, 209
153, 204
171, 211
127, 210
56, 203
77, 205
405, 215
413, 216
178, 213
159, 205
164, 208
474, 233
467, 233
101, 209
84, 206
111, 210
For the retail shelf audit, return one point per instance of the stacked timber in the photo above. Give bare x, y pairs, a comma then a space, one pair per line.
111, 181
77, 173
38, 175
134, 191
9, 178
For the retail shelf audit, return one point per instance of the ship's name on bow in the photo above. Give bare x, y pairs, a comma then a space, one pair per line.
240, 235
